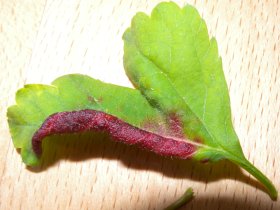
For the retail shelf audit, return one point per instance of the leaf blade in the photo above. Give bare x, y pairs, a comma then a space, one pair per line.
35, 103
170, 58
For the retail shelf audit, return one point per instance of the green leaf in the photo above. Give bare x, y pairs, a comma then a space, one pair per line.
74, 92
170, 58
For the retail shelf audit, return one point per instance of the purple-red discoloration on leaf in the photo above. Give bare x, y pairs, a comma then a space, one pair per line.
175, 125
198, 140
156, 126
91, 120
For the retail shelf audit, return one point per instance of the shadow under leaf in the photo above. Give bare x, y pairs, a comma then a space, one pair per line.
80, 147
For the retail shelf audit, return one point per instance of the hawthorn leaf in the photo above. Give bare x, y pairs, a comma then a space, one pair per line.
36, 102
170, 58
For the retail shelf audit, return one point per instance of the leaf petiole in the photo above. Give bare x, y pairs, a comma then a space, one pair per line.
249, 167
185, 198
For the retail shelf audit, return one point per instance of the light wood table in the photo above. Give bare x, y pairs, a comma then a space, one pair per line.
43, 39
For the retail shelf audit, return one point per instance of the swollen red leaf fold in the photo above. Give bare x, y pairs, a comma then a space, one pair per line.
92, 120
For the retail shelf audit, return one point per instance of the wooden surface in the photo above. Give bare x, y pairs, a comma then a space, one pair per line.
43, 39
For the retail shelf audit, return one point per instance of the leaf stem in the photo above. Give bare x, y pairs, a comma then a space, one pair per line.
245, 164
185, 198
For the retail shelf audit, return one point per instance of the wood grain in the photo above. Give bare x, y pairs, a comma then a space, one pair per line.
41, 40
